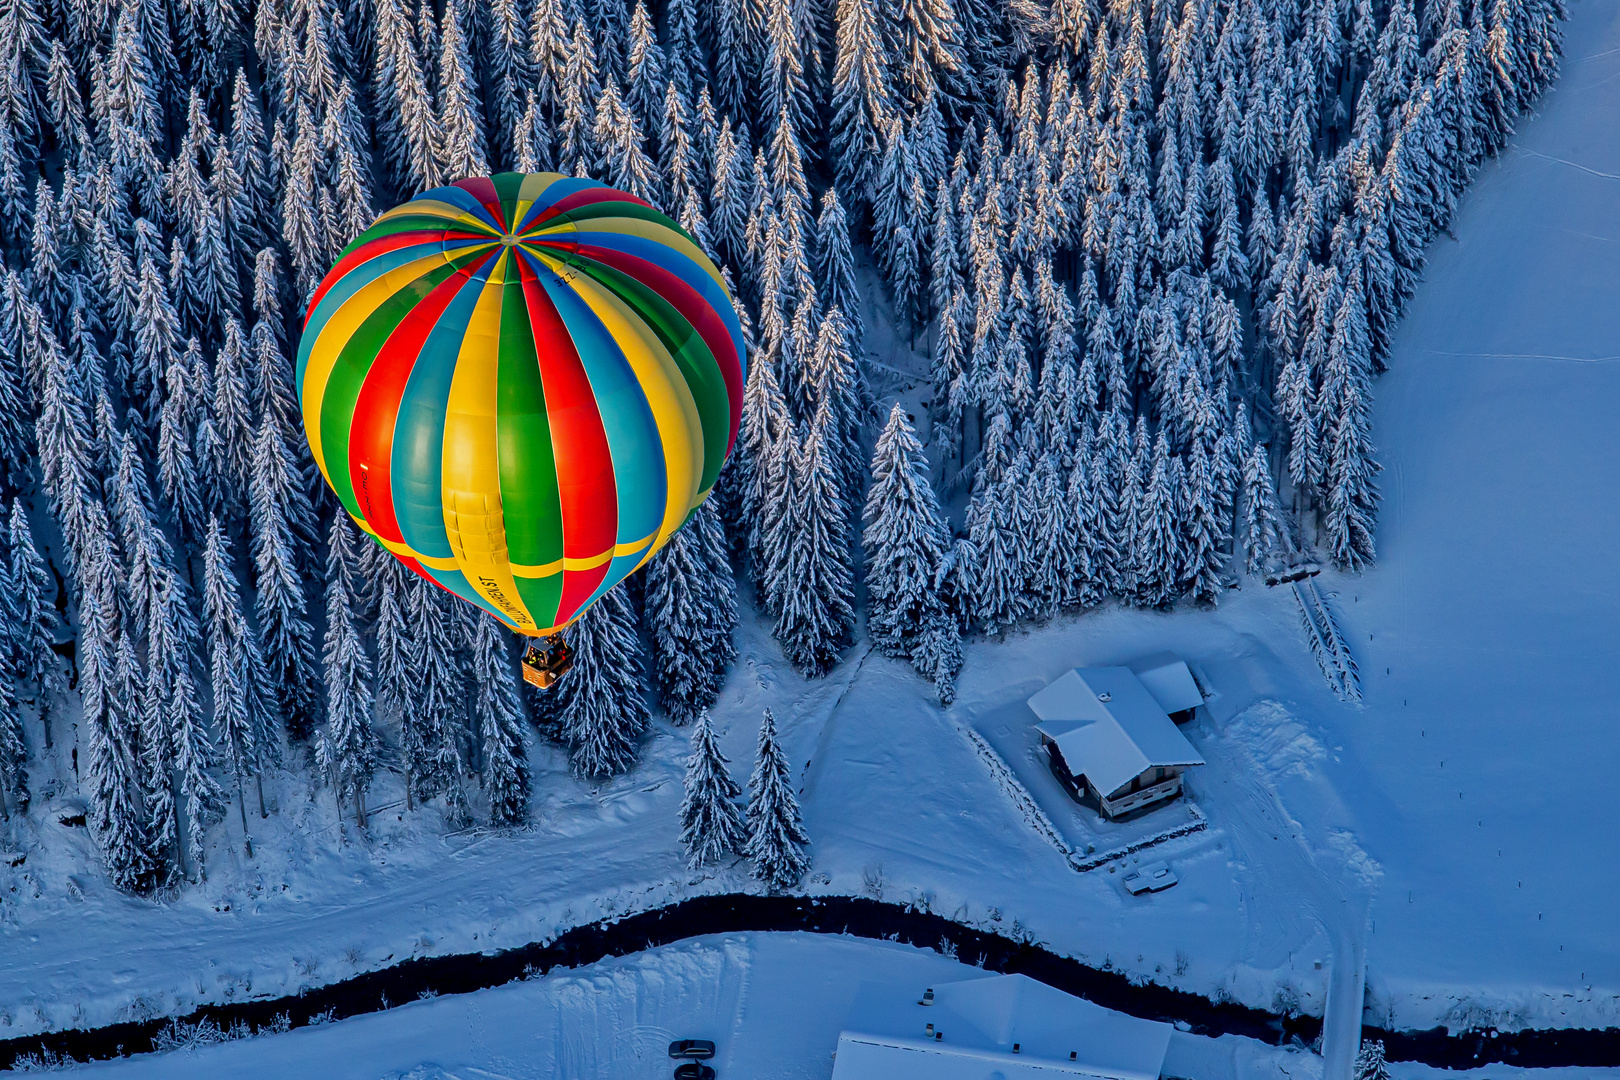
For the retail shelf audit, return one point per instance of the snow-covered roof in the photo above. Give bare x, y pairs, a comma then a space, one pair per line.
1109, 727
1169, 681
981, 1019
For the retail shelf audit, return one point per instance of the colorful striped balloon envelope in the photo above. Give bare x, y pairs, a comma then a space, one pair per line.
521, 386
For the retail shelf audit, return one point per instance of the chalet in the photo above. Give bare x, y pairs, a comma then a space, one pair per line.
994, 1027
1109, 739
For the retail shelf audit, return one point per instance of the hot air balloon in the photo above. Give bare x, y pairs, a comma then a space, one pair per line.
521, 386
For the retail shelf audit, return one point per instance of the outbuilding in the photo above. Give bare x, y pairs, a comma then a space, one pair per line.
994, 1027
1108, 739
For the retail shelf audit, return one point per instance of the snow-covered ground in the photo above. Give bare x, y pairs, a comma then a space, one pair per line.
1454, 829
772, 1003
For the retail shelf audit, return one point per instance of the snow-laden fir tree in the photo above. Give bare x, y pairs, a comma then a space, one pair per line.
1370, 1064
279, 600
1262, 529
433, 714
243, 717
690, 611
498, 713
460, 131
776, 837
906, 541
712, 824
33, 633
347, 746
601, 701
395, 643
815, 582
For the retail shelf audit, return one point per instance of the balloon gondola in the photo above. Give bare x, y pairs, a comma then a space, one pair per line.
521, 386
545, 663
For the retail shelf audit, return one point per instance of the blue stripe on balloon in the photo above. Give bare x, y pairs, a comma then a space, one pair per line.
357, 279
416, 466
627, 419
682, 267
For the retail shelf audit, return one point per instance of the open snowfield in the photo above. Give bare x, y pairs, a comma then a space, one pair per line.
1456, 830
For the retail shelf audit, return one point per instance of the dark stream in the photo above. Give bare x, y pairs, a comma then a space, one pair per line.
855, 916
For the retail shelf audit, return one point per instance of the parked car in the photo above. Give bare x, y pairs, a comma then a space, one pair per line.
691, 1048
693, 1070
1150, 877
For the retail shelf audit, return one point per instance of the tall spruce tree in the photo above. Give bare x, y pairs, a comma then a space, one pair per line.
242, 715
712, 823
776, 837
906, 541
433, 714
601, 701
498, 713
347, 747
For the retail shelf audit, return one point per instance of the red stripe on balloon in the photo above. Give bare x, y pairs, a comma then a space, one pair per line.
382, 246
482, 188
586, 489
584, 197
376, 409
694, 308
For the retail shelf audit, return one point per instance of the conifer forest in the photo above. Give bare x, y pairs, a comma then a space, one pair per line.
1137, 264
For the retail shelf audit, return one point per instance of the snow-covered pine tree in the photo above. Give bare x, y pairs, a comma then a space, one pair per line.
1370, 1064
347, 746
712, 824
236, 670
648, 77
433, 717
109, 771
1158, 539
1352, 494
776, 837
1263, 535
620, 138
30, 596
906, 541
1204, 521
602, 704
395, 643
816, 586
498, 714
690, 595
279, 600
835, 268
177, 467
459, 137
861, 98
506, 53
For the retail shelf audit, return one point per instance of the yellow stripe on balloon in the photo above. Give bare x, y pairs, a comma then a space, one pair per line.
405, 551
647, 230
556, 566
534, 185
674, 410
437, 208
336, 334
471, 482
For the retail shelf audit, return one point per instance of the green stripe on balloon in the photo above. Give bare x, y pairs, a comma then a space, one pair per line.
530, 503
349, 374
507, 187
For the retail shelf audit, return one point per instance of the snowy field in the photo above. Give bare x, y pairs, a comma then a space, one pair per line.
772, 1003
1455, 829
